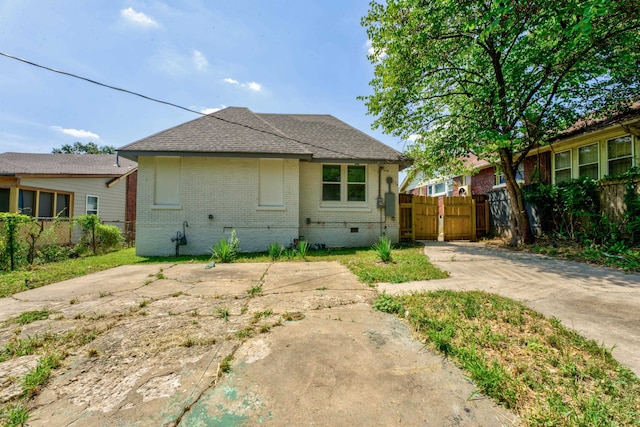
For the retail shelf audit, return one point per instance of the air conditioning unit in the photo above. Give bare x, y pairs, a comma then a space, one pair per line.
463, 191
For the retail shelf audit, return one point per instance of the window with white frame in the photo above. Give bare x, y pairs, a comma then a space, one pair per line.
344, 183
619, 155
588, 164
501, 180
92, 205
562, 166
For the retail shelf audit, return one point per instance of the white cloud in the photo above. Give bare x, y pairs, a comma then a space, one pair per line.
138, 19
211, 110
254, 86
76, 133
199, 60
414, 137
372, 51
257, 87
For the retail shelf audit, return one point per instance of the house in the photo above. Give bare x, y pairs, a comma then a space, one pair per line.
68, 185
590, 148
270, 177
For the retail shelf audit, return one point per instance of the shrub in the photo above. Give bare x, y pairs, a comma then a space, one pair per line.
383, 249
226, 250
109, 236
275, 251
87, 224
303, 249
12, 244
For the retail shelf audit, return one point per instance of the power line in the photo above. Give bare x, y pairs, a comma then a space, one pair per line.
171, 104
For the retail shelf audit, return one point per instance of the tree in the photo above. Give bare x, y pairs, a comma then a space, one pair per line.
497, 78
88, 148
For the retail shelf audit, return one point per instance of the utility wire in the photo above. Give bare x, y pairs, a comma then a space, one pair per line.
171, 104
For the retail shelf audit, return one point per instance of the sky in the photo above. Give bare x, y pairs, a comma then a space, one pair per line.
272, 56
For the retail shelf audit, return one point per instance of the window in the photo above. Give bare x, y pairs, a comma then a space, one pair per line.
92, 205
588, 161
501, 180
45, 205
27, 202
62, 205
562, 168
271, 191
356, 183
619, 154
5, 195
167, 185
344, 183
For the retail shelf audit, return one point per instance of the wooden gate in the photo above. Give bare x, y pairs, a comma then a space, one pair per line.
459, 218
420, 218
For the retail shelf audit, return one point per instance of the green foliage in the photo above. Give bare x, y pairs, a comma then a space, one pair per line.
109, 237
632, 203
275, 251
88, 148
556, 378
226, 250
303, 249
382, 248
12, 223
14, 415
494, 79
569, 207
88, 224
38, 376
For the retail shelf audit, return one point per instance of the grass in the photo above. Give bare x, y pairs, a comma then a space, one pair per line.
545, 373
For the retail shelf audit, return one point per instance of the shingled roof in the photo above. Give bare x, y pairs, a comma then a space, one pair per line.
239, 132
96, 165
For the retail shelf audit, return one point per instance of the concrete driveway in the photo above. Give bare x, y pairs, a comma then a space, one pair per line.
146, 346
600, 303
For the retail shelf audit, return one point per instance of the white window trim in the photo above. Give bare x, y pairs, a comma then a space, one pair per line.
86, 204
519, 180
632, 156
570, 168
343, 202
597, 162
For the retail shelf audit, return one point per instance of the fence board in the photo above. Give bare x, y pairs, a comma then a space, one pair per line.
459, 219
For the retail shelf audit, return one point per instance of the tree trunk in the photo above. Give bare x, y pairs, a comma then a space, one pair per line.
518, 218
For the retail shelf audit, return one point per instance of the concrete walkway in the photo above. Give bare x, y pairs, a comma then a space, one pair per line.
306, 349
600, 303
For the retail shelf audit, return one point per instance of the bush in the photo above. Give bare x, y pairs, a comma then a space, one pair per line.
226, 250
275, 251
303, 249
383, 249
109, 237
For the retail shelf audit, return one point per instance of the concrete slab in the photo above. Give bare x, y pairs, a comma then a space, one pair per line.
151, 339
599, 303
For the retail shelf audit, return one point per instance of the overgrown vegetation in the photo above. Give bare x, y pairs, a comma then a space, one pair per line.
226, 250
382, 248
25, 242
575, 227
533, 366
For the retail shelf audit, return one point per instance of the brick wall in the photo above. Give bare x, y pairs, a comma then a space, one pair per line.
483, 181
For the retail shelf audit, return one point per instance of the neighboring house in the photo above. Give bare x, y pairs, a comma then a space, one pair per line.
67, 185
594, 149
270, 177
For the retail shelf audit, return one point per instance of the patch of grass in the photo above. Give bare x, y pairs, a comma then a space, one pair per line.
409, 264
289, 317
143, 303
275, 251
38, 376
103, 294
222, 313
261, 314
14, 415
245, 333
32, 316
547, 374
254, 291
225, 365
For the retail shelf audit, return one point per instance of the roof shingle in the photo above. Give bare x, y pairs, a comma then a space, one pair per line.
239, 131
12, 164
